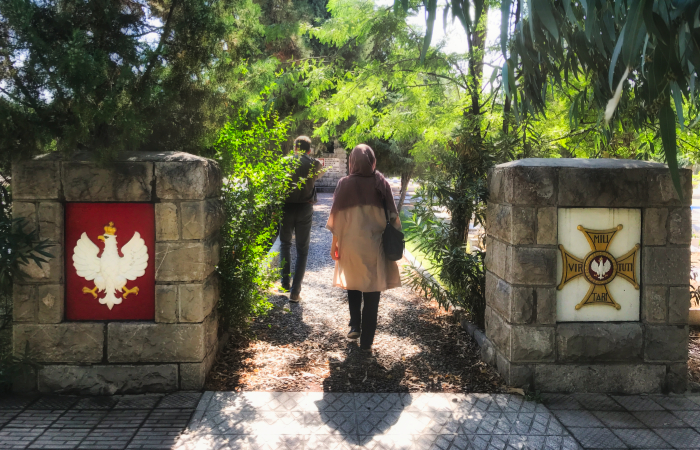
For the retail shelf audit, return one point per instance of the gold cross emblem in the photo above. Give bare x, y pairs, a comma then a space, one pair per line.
599, 267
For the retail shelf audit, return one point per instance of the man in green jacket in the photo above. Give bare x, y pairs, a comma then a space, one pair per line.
298, 214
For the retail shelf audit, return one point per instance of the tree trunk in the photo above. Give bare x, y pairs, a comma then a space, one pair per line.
405, 178
477, 51
506, 106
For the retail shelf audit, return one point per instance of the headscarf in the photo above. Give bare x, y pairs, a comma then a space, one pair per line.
364, 186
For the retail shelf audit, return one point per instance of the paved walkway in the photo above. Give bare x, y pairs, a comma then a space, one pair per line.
279, 420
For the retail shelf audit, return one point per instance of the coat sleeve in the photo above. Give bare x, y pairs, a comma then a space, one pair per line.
396, 222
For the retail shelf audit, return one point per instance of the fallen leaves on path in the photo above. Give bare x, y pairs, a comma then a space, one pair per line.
302, 346
694, 356
418, 348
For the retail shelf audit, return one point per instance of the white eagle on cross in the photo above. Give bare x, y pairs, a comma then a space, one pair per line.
110, 272
601, 266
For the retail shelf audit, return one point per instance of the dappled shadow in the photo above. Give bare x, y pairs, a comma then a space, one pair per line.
361, 372
417, 349
242, 420
316, 420
302, 347
443, 357
283, 326
287, 316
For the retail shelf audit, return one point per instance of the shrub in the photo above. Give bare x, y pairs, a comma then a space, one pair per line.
456, 183
18, 246
459, 274
256, 181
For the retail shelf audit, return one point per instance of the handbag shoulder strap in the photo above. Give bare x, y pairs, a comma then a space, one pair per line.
386, 213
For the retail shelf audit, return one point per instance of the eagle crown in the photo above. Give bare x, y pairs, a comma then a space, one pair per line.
109, 235
110, 229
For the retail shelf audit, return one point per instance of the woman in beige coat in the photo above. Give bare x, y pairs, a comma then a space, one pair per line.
357, 221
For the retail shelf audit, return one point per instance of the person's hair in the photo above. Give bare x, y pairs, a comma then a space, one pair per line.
303, 142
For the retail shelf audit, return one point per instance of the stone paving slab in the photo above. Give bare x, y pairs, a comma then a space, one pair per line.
389, 421
100, 423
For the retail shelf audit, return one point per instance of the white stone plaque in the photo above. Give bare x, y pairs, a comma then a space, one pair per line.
601, 279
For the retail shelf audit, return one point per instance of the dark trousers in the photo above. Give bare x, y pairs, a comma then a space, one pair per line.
297, 219
364, 318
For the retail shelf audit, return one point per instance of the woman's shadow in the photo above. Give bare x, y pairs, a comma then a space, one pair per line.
358, 417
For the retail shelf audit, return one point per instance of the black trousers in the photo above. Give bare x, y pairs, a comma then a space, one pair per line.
297, 219
364, 318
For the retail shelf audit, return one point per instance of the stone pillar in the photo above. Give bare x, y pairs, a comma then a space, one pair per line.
336, 164
175, 347
571, 313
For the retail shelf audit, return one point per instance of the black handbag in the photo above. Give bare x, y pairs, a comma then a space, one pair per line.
392, 239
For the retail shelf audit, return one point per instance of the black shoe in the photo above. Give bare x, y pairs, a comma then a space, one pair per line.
284, 288
295, 298
354, 333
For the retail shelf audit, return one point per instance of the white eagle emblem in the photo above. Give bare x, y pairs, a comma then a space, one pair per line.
110, 271
601, 266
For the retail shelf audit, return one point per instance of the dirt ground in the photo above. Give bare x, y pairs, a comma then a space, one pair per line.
303, 347
418, 348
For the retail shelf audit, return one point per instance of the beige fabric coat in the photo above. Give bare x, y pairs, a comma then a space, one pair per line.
362, 265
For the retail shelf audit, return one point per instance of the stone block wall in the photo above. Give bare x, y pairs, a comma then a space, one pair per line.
336, 164
525, 342
176, 349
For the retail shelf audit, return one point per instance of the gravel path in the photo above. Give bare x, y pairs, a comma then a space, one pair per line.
302, 347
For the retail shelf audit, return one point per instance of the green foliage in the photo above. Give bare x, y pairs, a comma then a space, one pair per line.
568, 59
393, 157
257, 180
14, 368
461, 279
107, 76
371, 86
651, 44
456, 184
409, 103
18, 247
388, 94
286, 52
364, 81
286, 24
468, 14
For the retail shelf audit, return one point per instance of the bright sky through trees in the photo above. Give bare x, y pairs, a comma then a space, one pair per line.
455, 41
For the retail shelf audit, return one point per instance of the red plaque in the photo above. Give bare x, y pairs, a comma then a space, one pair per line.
110, 261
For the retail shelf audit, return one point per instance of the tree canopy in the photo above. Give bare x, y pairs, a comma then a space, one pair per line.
106, 76
635, 61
